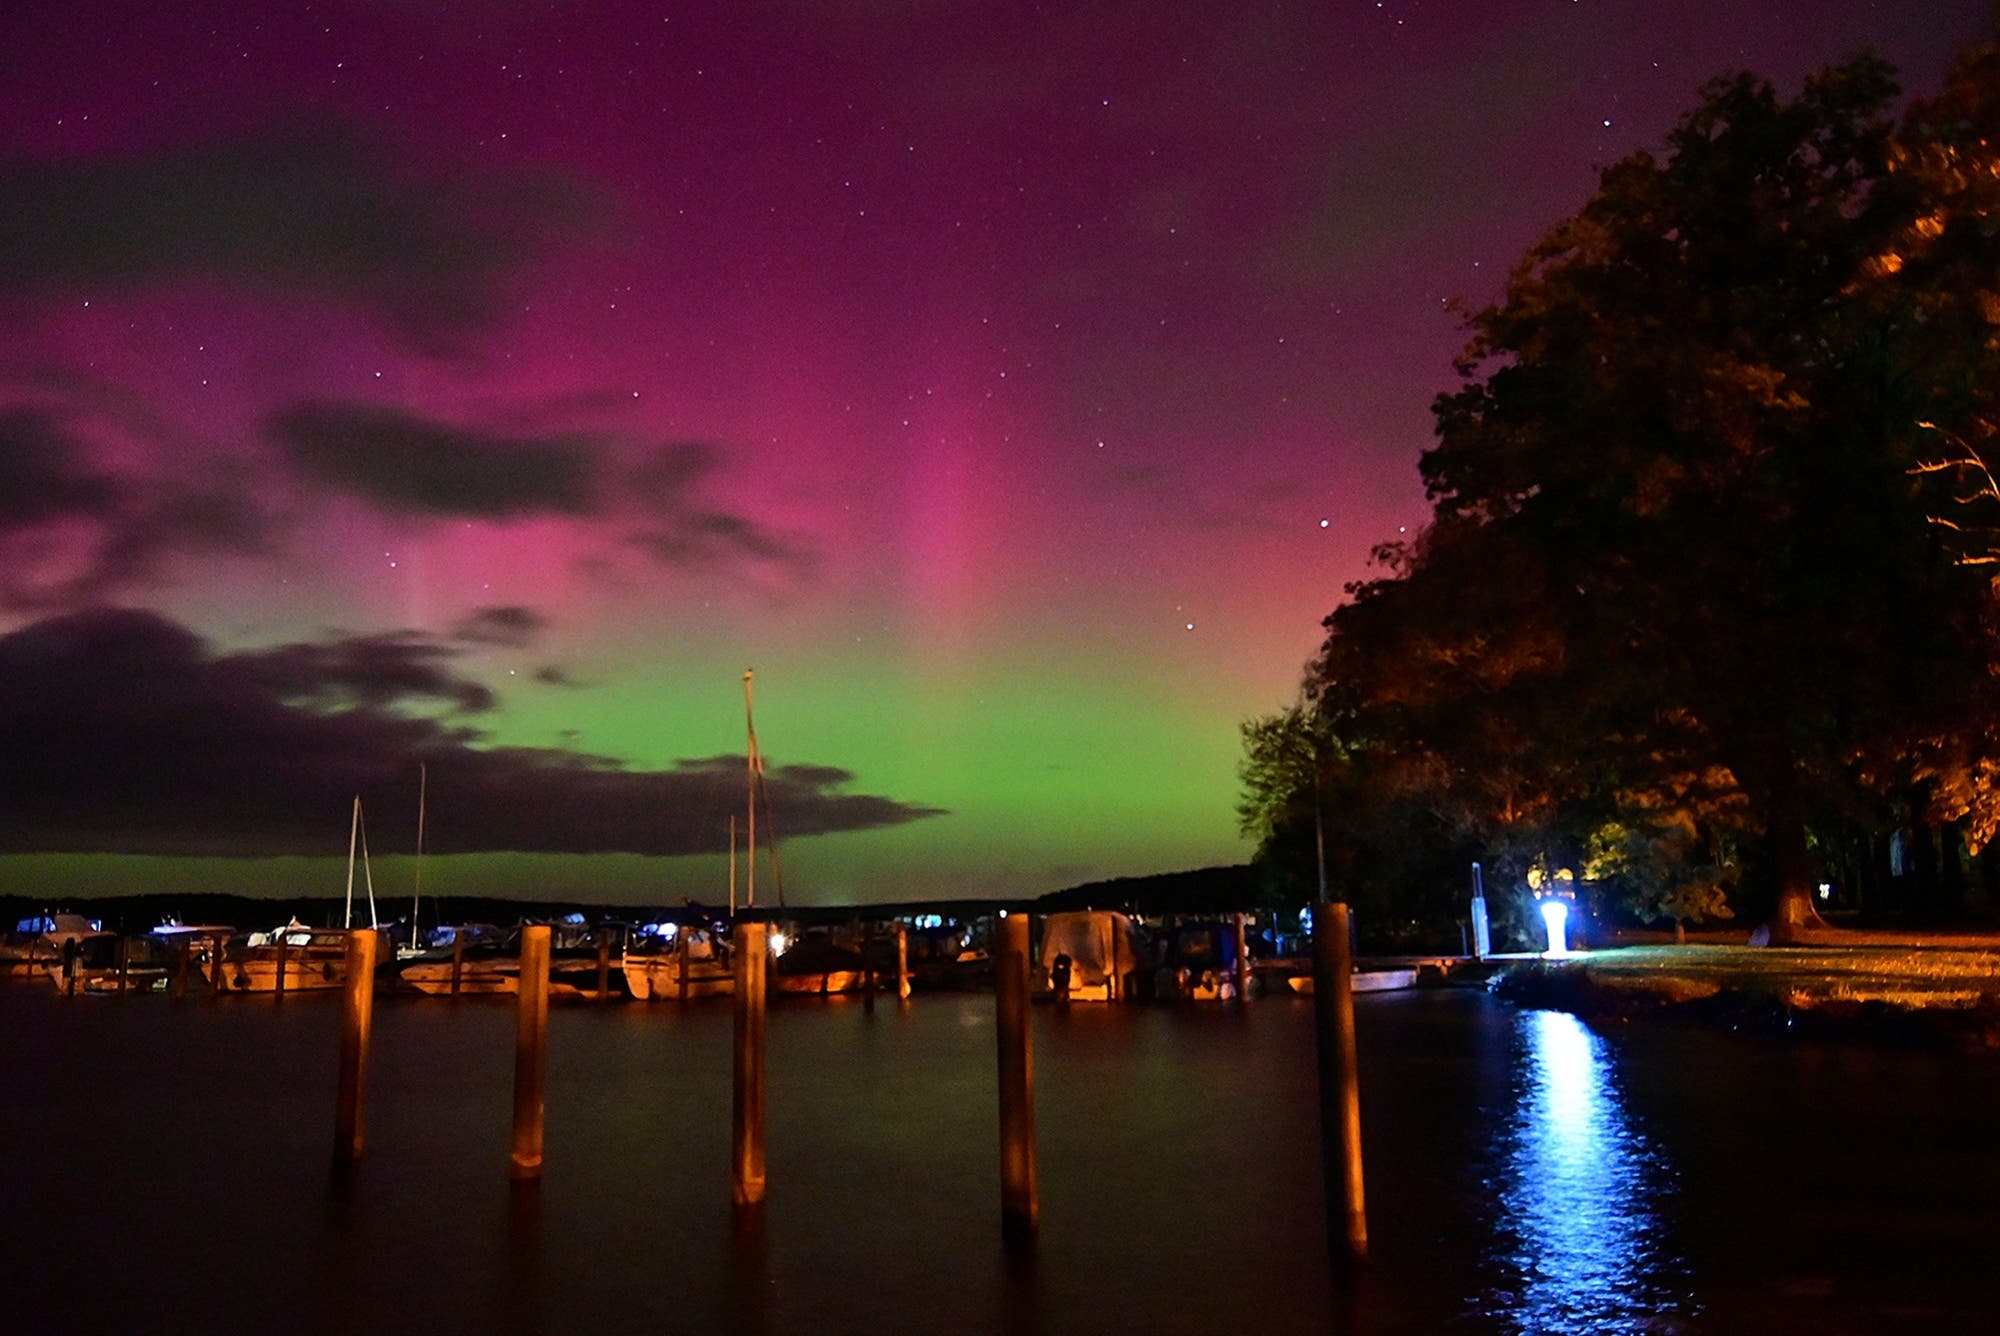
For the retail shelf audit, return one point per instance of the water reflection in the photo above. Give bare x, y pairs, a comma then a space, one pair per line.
1579, 1245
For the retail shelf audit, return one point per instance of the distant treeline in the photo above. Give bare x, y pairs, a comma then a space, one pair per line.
1205, 890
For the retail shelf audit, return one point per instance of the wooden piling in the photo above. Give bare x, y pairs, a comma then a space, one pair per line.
1020, 1208
603, 964
357, 1019
215, 981
1339, 1083
902, 962
180, 985
752, 950
531, 1054
279, 987
1242, 960
457, 960
868, 965
124, 964
685, 956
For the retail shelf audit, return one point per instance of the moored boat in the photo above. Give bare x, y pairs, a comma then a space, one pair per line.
676, 962
41, 939
814, 965
288, 959
1087, 956
581, 963
1363, 981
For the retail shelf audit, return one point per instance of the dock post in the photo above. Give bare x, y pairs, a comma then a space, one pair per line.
279, 986
180, 985
357, 1019
1339, 1083
868, 965
531, 1054
603, 965
215, 984
1020, 1207
124, 964
457, 960
1242, 961
902, 962
746, 1106
684, 956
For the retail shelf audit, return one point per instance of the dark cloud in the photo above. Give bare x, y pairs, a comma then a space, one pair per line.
706, 538
554, 675
121, 732
403, 462
411, 464
318, 212
42, 475
374, 672
71, 533
510, 625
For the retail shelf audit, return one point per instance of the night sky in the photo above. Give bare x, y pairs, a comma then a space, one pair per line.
488, 384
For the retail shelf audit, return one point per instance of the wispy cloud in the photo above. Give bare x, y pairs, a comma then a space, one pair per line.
320, 212
72, 532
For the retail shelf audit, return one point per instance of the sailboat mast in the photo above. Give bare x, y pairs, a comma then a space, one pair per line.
423, 787
374, 919
750, 765
732, 865
353, 834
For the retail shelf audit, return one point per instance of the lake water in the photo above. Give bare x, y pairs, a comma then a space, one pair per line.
168, 1170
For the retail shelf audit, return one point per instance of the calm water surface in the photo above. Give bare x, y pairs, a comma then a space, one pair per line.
169, 1171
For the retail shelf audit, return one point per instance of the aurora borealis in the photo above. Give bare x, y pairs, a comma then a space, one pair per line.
489, 384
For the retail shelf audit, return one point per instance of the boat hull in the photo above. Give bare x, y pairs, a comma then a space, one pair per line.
658, 978
1364, 981
503, 976
821, 983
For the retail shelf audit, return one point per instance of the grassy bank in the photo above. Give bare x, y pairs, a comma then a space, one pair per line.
1926, 996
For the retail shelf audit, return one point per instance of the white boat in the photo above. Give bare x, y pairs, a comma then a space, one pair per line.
494, 966
293, 958
676, 962
78, 955
38, 940
1087, 956
1363, 981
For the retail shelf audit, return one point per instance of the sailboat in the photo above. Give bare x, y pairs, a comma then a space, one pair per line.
415, 947
683, 960
812, 962
296, 956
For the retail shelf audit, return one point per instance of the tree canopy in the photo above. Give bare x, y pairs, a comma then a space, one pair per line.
1706, 600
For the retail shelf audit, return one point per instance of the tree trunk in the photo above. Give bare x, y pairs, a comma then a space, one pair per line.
1795, 912
1951, 871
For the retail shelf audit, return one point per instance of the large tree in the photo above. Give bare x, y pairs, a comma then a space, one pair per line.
1685, 567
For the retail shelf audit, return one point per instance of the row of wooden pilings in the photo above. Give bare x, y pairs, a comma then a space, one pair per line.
1333, 1004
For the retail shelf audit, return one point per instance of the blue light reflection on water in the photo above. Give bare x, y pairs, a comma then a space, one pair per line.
1580, 1244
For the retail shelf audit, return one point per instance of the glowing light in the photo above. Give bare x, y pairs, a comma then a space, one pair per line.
1555, 917
1826, 890
778, 943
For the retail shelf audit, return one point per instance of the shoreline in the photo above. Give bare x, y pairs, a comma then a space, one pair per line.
1934, 997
